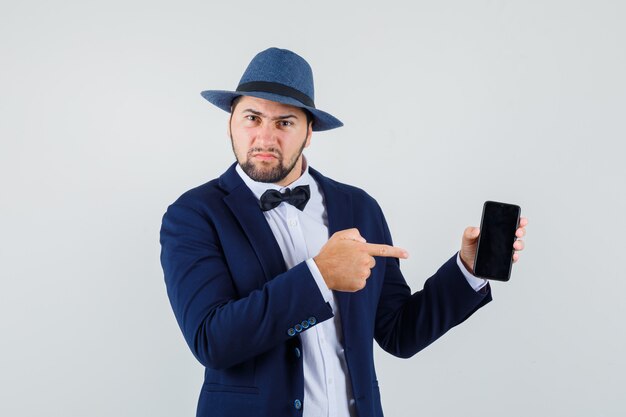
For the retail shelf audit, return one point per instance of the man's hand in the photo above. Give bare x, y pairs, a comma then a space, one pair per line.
469, 243
346, 260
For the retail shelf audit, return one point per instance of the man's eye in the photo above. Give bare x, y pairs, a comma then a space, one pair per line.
285, 123
251, 117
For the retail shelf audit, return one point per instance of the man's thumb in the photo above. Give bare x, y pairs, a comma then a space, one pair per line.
471, 233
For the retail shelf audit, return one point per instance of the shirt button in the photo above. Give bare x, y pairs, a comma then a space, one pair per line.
297, 404
291, 331
305, 324
297, 352
293, 223
312, 321
330, 381
298, 328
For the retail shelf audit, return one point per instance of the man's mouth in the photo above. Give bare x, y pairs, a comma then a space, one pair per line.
265, 156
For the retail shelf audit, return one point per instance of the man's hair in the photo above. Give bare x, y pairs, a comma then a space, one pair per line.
308, 114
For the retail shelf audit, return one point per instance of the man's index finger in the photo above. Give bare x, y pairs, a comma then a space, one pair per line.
387, 251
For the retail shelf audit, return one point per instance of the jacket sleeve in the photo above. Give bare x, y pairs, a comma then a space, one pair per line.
406, 323
221, 327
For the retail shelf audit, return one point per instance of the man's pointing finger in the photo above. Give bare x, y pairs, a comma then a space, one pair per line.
386, 251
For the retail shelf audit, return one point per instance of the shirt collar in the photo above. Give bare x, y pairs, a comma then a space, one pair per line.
258, 188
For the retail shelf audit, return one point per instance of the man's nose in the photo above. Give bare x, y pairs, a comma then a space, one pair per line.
266, 134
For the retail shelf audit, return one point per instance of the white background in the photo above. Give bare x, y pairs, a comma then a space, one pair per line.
445, 104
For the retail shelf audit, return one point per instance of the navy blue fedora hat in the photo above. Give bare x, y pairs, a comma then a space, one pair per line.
277, 75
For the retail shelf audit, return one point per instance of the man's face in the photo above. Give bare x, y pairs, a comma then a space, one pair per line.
268, 139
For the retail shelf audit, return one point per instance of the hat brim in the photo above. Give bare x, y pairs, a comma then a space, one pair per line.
223, 99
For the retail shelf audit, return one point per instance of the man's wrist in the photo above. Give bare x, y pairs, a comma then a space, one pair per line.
319, 279
467, 265
476, 283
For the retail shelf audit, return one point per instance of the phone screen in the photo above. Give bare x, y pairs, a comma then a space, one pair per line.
494, 255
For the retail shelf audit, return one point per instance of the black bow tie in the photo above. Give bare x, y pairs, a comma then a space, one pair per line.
297, 197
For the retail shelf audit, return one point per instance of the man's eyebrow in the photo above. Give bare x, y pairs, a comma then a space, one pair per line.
285, 116
281, 117
258, 113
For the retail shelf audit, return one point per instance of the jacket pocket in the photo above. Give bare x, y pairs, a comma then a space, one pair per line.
238, 389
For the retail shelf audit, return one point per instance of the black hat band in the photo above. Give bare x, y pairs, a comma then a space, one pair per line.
276, 88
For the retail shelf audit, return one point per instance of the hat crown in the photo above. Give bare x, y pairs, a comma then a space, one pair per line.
281, 76
281, 66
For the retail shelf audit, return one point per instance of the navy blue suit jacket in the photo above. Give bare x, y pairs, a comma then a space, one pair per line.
235, 300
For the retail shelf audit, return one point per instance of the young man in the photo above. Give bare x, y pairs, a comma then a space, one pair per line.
282, 316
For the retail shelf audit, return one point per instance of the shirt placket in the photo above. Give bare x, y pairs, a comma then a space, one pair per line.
294, 223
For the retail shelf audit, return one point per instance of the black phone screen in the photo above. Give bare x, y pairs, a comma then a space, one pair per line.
494, 255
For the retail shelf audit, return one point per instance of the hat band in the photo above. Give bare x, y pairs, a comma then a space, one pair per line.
276, 88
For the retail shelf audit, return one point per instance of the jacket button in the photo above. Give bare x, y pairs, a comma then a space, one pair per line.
298, 328
297, 404
291, 331
312, 321
297, 352
305, 324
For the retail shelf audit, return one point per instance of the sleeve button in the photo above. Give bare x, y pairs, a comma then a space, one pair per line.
297, 404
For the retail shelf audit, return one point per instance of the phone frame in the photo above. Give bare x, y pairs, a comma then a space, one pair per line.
482, 219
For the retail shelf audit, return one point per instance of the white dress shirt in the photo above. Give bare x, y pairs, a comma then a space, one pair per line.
300, 236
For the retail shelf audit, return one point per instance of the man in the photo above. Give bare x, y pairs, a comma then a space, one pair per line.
282, 316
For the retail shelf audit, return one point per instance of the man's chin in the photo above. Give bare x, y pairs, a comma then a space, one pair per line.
263, 167
267, 165
262, 171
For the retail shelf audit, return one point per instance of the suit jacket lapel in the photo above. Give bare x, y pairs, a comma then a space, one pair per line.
338, 203
245, 208
340, 217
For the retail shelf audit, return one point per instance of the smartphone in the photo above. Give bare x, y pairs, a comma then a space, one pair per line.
494, 256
